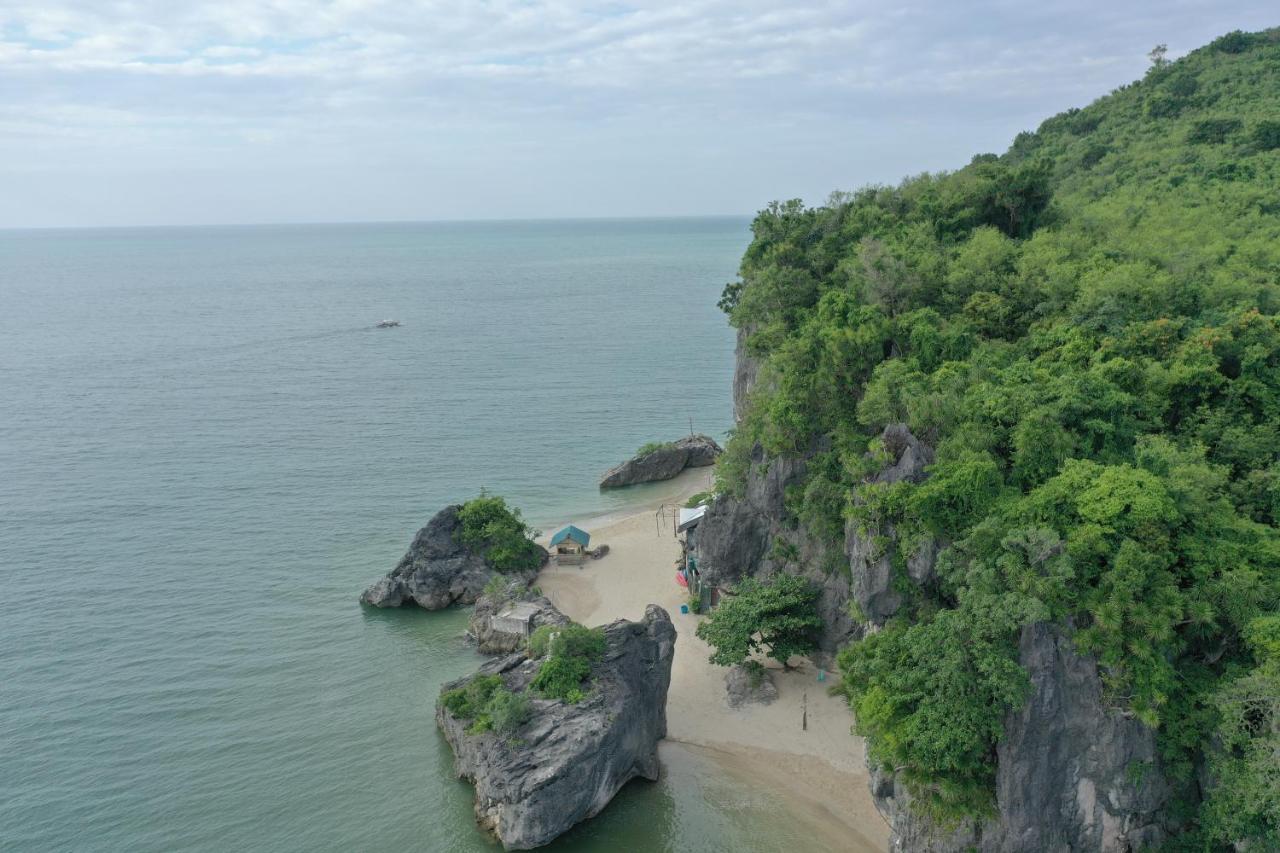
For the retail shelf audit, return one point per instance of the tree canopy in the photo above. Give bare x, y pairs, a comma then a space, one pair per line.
499, 533
1085, 330
775, 617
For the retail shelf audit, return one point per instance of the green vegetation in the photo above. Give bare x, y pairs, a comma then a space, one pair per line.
698, 500
1085, 329
653, 447
489, 705
569, 651
497, 531
777, 617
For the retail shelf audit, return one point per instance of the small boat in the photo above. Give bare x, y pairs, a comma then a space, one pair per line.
387, 324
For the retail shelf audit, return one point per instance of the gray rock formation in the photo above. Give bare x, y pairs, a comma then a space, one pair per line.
437, 571
566, 763
870, 562
1067, 777
742, 686
738, 538
693, 451
499, 642
746, 370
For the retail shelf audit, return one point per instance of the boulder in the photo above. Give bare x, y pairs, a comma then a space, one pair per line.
438, 570
744, 685
663, 463
567, 761
491, 639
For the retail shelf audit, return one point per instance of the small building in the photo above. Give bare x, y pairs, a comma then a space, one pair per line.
569, 545
687, 528
516, 619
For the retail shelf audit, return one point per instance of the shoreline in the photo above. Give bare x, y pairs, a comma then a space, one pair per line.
817, 773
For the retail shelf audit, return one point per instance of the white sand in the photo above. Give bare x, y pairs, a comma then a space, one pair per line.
818, 771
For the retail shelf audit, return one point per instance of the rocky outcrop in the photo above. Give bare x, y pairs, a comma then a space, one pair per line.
870, 562
663, 462
1072, 774
567, 761
491, 640
746, 370
744, 685
740, 536
438, 570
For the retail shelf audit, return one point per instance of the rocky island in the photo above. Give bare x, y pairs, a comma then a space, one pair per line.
457, 553
548, 736
662, 461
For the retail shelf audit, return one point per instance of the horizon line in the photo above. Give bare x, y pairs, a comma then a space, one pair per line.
332, 222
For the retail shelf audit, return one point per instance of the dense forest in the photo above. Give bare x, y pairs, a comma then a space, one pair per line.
1085, 330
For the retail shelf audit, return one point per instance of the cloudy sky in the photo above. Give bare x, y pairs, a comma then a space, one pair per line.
119, 112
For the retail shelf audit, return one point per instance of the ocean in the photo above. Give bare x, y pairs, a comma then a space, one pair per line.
207, 451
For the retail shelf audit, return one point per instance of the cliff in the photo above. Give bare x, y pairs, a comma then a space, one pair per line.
1065, 778
567, 760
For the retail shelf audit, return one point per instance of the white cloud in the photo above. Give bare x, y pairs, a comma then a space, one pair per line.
243, 86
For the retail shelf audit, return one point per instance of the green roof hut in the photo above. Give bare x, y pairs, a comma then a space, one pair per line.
570, 545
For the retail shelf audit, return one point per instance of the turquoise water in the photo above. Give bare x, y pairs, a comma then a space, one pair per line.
206, 452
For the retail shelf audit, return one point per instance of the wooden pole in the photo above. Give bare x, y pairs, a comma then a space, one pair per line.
804, 719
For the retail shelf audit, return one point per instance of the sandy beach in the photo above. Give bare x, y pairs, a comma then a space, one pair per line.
816, 772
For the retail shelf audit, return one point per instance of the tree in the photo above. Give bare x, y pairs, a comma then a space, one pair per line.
498, 532
1157, 56
777, 617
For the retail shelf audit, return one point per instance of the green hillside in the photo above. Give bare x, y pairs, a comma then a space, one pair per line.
1085, 328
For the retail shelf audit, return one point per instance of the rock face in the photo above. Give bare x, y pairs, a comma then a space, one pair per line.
870, 564
493, 642
566, 763
694, 451
738, 538
437, 571
743, 687
1066, 778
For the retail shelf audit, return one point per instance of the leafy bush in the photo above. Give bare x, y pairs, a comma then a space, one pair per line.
497, 531
569, 651
1266, 135
698, 500
653, 447
778, 618
1213, 130
509, 711
488, 704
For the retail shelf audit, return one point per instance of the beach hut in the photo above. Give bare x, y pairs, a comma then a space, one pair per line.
570, 544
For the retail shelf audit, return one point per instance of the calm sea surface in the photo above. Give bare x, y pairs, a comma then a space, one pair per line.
206, 452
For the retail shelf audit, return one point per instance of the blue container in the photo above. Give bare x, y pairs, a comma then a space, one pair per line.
684, 608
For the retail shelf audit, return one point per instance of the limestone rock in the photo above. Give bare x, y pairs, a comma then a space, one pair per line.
566, 763
492, 641
438, 570
1065, 780
743, 686
663, 463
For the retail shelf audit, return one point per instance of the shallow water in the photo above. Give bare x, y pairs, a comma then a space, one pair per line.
206, 452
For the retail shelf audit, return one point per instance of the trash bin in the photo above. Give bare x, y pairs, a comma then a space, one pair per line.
684, 608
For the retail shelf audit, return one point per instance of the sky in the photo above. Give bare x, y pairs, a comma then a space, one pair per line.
155, 112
